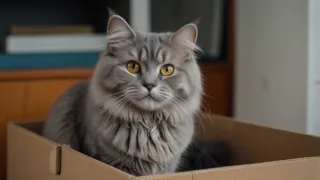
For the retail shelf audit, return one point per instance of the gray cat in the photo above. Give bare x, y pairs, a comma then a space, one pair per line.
137, 112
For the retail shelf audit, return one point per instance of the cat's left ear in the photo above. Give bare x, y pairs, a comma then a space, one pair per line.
118, 28
186, 35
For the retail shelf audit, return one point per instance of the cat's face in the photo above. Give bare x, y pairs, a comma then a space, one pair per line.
150, 70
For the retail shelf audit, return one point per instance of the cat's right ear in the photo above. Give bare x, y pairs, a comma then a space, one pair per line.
111, 12
118, 28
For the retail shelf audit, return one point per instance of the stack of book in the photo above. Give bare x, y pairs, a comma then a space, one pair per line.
54, 39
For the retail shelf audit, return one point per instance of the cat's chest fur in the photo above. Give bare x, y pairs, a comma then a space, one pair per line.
150, 144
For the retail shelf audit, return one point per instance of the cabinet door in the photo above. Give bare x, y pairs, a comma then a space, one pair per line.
217, 89
27, 100
41, 94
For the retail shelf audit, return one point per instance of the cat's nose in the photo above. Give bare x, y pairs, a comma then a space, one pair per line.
149, 86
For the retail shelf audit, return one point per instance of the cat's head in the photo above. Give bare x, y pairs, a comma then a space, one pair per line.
149, 70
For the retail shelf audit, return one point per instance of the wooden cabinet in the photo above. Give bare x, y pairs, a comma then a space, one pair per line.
217, 89
28, 95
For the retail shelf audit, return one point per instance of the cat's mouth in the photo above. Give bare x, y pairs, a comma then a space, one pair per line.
150, 97
146, 102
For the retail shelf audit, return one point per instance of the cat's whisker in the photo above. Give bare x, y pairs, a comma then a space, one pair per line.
123, 91
121, 104
207, 95
114, 94
106, 112
185, 103
201, 117
205, 107
179, 106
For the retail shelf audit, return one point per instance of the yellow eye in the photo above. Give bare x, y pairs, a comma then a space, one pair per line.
167, 70
133, 67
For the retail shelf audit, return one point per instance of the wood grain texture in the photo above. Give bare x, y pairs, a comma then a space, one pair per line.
41, 94
216, 88
44, 74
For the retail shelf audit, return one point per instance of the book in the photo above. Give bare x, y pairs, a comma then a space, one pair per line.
48, 60
55, 43
50, 29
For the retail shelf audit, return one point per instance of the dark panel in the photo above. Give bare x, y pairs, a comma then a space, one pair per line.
58, 12
171, 15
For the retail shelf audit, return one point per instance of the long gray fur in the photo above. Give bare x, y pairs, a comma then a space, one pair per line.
113, 118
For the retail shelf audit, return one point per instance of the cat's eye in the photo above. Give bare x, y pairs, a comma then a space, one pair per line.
167, 70
133, 67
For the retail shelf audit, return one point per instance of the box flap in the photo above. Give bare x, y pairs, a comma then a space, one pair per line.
297, 169
75, 165
30, 154
175, 176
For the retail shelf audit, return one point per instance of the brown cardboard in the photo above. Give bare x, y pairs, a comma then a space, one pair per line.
252, 144
259, 153
28, 154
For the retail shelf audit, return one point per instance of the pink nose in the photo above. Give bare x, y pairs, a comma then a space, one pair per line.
149, 86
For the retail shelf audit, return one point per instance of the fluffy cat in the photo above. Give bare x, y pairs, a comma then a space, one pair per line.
137, 111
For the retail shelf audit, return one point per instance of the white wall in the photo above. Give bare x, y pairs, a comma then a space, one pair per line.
271, 62
140, 15
313, 126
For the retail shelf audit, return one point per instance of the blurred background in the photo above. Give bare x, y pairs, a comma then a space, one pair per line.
260, 62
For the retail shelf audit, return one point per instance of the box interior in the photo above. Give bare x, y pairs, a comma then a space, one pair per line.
251, 143
248, 143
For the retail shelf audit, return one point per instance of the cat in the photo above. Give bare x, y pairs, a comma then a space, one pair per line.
137, 111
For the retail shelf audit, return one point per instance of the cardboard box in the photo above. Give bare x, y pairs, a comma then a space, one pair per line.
258, 153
